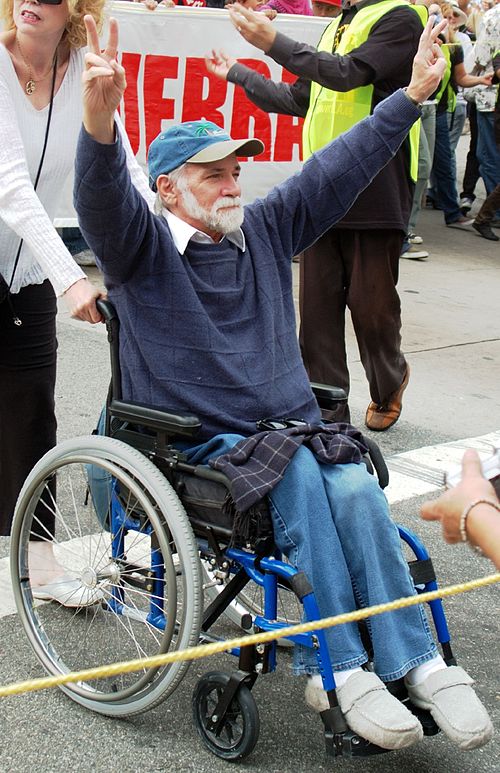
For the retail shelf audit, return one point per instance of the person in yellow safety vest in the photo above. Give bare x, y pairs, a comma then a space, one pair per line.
444, 185
364, 55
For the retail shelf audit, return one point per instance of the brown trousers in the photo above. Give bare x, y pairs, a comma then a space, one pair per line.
490, 206
358, 270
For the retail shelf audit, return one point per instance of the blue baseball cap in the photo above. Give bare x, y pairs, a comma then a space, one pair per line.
198, 142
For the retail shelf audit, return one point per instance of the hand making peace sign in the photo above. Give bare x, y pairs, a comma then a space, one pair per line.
429, 63
103, 79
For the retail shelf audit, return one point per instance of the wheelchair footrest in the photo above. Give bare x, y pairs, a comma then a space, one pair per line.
349, 744
340, 740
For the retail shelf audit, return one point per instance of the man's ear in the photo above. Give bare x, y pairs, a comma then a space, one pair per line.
167, 191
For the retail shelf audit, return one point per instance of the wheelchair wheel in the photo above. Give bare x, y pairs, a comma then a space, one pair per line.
122, 596
251, 601
239, 732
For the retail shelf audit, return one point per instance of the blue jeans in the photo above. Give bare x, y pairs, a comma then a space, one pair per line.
425, 158
73, 240
332, 522
443, 172
488, 152
456, 121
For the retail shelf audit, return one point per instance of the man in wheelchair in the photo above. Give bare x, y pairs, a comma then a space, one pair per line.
203, 290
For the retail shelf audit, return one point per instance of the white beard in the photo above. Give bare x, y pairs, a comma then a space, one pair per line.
223, 221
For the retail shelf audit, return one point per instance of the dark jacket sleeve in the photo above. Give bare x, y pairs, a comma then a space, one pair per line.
384, 53
308, 204
288, 98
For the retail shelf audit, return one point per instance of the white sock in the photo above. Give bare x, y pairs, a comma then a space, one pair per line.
341, 677
420, 673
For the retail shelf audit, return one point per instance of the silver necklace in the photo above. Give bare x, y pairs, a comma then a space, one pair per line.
30, 84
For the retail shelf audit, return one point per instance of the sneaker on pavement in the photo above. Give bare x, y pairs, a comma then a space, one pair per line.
461, 222
370, 711
485, 230
465, 204
454, 706
414, 239
415, 253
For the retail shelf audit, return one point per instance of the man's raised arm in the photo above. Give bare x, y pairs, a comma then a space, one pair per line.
332, 179
113, 216
104, 83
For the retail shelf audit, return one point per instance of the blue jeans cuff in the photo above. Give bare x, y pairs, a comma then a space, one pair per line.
429, 655
299, 669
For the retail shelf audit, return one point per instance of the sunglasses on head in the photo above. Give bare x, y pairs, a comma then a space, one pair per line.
50, 2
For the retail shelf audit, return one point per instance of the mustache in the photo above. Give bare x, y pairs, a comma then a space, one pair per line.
227, 201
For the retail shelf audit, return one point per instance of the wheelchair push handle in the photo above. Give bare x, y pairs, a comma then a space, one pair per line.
107, 309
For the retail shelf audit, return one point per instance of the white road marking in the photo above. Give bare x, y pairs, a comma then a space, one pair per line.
412, 474
422, 470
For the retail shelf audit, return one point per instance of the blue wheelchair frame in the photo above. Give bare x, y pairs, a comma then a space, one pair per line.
267, 571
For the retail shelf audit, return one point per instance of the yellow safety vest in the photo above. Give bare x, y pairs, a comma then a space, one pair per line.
445, 82
332, 112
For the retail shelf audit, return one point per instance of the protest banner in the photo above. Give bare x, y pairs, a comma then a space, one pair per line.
163, 53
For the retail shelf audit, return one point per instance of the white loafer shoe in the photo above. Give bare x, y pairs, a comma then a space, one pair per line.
371, 711
454, 706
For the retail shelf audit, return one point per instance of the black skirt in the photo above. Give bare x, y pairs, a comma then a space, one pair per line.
27, 385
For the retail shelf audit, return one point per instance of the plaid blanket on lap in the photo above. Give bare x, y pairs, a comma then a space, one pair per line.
256, 464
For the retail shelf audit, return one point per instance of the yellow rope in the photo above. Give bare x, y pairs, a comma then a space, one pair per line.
205, 650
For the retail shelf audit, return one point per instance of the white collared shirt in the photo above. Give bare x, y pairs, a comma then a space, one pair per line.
182, 233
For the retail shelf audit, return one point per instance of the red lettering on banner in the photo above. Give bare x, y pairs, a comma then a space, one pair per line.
247, 119
131, 63
156, 107
204, 96
288, 130
197, 105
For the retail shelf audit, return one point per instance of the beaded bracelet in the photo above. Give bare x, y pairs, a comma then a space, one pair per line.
463, 519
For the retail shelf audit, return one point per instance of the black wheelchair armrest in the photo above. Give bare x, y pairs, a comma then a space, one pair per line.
184, 424
328, 397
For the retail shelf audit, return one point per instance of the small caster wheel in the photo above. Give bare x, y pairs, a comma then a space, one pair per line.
239, 732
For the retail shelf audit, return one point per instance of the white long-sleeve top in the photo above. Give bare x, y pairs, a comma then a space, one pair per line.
24, 212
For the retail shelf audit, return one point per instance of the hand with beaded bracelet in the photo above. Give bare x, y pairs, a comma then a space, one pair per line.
470, 512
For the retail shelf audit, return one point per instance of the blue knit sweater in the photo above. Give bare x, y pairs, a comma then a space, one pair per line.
212, 332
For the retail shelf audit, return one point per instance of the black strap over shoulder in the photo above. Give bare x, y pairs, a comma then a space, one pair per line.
8, 296
4, 289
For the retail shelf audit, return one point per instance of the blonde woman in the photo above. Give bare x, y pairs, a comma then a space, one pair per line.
41, 61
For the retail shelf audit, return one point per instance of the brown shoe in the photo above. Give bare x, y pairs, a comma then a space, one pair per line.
381, 417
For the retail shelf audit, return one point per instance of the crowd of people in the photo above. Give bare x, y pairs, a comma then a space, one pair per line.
470, 43
361, 92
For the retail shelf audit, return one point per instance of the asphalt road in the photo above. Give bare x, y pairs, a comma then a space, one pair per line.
452, 336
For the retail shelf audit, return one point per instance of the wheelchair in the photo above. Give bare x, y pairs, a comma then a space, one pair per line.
153, 546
